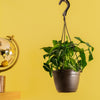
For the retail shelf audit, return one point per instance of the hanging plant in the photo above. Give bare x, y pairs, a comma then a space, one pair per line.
66, 59
62, 56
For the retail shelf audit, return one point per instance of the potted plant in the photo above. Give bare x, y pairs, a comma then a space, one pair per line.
64, 65
66, 59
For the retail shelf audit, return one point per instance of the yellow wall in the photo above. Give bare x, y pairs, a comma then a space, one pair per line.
35, 23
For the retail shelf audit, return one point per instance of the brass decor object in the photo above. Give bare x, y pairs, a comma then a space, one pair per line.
9, 53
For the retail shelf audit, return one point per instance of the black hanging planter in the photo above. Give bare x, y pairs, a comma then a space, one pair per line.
66, 80
66, 59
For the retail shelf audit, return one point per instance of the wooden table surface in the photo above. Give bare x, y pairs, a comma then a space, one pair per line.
10, 96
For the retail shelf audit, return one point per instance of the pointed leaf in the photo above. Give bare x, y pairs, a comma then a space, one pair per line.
47, 49
46, 69
54, 42
60, 42
46, 55
77, 49
50, 73
79, 65
90, 55
92, 48
71, 67
54, 60
78, 38
66, 38
83, 58
88, 44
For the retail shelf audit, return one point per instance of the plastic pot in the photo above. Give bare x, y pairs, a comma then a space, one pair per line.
66, 80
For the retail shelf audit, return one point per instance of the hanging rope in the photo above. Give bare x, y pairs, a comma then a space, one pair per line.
65, 28
65, 25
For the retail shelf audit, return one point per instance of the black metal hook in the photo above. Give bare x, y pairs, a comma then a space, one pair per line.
68, 5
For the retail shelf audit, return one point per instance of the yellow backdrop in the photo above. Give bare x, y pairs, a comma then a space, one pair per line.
35, 23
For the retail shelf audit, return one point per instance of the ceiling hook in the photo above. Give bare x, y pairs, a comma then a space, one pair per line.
68, 5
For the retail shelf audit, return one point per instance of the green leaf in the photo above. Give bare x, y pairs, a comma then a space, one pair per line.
66, 38
79, 65
83, 58
90, 55
47, 49
54, 42
92, 48
60, 42
72, 61
55, 50
46, 69
78, 38
60, 53
50, 73
71, 67
68, 44
71, 52
77, 49
54, 60
46, 64
88, 44
46, 55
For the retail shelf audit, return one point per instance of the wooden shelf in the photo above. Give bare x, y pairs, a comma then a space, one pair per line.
10, 96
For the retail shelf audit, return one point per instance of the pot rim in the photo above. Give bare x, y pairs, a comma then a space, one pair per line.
68, 71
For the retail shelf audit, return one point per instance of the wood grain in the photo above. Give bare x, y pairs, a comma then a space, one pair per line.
10, 96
